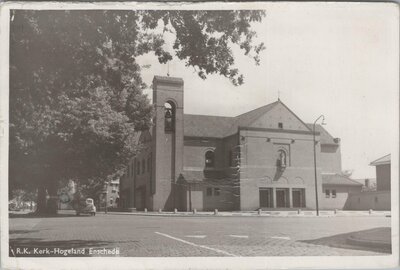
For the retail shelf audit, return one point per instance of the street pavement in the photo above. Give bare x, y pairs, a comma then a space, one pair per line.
154, 236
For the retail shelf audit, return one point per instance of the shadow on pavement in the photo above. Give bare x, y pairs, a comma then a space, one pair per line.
36, 247
369, 240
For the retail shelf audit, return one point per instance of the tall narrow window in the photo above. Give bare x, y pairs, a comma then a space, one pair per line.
333, 193
169, 117
209, 159
143, 166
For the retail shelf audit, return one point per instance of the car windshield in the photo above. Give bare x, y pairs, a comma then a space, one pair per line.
89, 201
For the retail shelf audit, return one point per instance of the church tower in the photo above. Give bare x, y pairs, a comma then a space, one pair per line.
167, 142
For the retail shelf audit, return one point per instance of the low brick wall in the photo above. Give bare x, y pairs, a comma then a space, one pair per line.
375, 200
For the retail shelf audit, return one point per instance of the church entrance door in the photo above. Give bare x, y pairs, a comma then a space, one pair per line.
281, 198
266, 197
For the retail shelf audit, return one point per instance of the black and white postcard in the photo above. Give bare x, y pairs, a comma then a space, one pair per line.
215, 135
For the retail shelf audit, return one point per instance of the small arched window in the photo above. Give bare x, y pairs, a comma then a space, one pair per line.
209, 159
169, 117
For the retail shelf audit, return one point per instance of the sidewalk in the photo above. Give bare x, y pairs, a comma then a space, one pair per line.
305, 213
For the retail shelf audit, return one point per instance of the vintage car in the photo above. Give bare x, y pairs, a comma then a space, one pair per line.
85, 206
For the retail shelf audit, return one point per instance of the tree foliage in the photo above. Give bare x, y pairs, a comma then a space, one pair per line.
76, 92
204, 38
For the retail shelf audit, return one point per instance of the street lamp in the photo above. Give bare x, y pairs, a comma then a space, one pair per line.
105, 195
315, 161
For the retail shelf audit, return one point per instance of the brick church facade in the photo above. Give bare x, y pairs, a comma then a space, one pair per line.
259, 159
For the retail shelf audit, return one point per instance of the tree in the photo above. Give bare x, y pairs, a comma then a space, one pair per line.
76, 94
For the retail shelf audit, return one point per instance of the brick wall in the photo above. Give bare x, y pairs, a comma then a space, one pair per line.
375, 200
330, 159
279, 114
259, 165
167, 151
342, 194
383, 177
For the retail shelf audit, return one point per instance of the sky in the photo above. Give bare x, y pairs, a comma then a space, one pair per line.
335, 59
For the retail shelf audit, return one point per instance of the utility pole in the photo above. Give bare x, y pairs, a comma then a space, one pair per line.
315, 162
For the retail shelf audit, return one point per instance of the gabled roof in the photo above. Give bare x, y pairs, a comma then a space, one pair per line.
362, 180
326, 138
207, 126
248, 118
381, 161
337, 179
222, 126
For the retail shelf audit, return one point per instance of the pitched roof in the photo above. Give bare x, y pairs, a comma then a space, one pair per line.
381, 161
362, 180
337, 179
207, 126
222, 126
248, 118
326, 137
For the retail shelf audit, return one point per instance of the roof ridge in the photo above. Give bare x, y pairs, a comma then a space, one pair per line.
298, 118
253, 110
348, 178
206, 115
321, 126
377, 160
342, 176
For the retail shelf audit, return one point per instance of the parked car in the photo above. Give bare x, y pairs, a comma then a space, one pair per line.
85, 206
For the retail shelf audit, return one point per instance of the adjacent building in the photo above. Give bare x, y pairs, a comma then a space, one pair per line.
382, 166
378, 199
111, 195
259, 159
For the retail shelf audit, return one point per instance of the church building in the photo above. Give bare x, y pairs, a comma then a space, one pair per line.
260, 159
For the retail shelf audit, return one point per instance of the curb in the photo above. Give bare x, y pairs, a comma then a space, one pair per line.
351, 240
255, 214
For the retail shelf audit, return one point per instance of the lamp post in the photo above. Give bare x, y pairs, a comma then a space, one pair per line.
315, 161
105, 195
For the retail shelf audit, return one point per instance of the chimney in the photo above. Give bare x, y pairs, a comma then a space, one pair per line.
367, 183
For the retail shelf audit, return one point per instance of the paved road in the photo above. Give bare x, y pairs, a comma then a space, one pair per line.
145, 236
